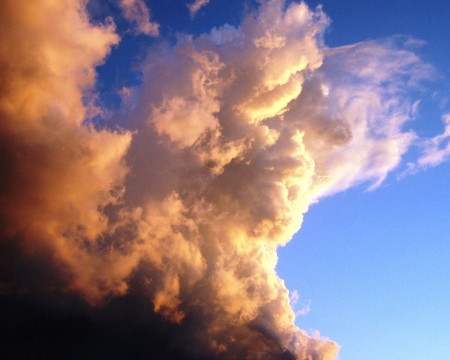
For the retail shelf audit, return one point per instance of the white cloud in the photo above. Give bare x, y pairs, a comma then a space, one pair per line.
437, 149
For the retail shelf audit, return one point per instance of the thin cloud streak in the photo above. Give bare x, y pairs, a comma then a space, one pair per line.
232, 136
196, 6
437, 149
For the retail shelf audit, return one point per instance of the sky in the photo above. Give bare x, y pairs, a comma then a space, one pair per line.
224, 179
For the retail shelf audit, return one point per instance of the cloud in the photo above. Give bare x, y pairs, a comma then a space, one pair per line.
435, 150
58, 174
359, 105
196, 6
162, 236
136, 11
293, 299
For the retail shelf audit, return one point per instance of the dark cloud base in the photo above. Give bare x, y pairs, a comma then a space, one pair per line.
39, 326
68, 329
39, 322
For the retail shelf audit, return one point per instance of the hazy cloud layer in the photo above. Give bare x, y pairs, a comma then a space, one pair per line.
168, 229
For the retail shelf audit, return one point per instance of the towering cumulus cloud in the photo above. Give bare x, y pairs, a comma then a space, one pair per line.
159, 240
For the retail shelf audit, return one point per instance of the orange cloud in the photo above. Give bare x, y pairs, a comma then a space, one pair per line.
58, 174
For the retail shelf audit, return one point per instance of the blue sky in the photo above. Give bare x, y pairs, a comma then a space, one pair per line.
160, 154
375, 265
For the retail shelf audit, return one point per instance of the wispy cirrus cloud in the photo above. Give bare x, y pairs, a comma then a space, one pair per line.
436, 150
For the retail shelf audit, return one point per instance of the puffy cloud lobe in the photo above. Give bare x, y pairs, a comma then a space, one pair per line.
235, 134
185, 116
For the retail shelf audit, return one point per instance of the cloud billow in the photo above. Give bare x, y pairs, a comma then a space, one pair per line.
162, 236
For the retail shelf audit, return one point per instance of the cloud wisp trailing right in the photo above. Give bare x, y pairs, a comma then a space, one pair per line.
233, 135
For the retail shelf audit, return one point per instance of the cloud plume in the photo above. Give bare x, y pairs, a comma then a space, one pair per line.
161, 235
